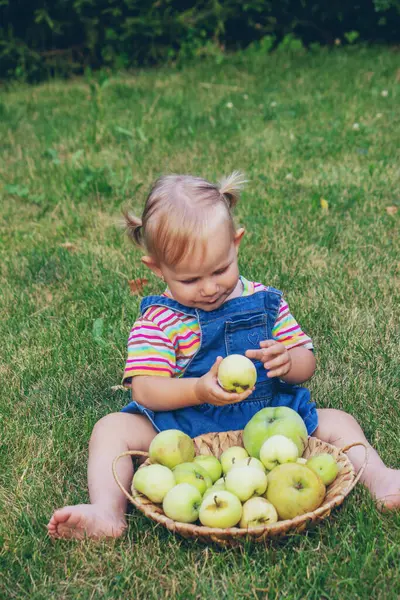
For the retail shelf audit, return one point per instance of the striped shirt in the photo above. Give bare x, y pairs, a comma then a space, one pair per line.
163, 341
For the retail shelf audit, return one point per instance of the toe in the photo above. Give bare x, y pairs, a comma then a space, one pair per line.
62, 514
52, 526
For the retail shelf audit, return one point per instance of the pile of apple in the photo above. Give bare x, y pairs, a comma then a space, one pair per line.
258, 484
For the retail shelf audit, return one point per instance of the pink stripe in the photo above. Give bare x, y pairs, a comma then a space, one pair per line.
155, 313
149, 341
148, 314
187, 346
290, 337
185, 337
284, 339
158, 310
149, 369
283, 312
143, 336
148, 358
189, 342
283, 307
289, 329
172, 316
280, 319
143, 326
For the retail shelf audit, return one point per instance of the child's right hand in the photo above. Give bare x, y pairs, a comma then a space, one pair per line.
209, 391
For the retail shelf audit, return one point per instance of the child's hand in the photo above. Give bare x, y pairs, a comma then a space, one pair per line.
208, 389
274, 357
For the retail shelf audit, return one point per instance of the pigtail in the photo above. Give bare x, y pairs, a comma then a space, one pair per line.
230, 187
133, 227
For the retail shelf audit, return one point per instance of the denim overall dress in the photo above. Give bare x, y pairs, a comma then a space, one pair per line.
238, 325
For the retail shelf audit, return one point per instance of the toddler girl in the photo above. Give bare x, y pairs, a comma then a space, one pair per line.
206, 312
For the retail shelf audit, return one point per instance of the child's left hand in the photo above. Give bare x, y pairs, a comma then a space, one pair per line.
274, 356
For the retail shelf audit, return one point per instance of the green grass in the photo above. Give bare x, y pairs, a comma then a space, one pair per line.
71, 158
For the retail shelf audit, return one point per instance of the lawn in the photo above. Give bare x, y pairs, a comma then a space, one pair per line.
318, 136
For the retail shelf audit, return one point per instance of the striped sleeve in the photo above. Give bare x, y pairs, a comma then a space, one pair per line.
150, 352
287, 331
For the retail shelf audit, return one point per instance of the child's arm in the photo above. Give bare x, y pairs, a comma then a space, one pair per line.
168, 393
164, 393
293, 366
302, 365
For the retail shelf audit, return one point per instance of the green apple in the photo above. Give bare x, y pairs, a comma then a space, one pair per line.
325, 466
236, 373
219, 486
278, 449
272, 421
232, 455
249, 462
246, 482
294, 489
210, 464
190, 472
154, 481
258, 511
171, 447
182, 503
221, 509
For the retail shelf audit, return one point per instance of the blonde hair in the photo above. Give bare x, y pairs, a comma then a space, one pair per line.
178, 212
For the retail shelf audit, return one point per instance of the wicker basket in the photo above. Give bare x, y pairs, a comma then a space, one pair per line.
216, 443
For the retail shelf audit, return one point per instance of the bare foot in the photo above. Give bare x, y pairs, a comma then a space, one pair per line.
85, 521
386, 490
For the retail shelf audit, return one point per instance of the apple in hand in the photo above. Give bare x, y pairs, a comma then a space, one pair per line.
182, 503
277, 450
294, 489
258, 511
249, 462
210, 464
237, 373
246, 482
325, 466
219, 486
154, 481
232, 455
171, 447
221, 509
192, 473
272, 421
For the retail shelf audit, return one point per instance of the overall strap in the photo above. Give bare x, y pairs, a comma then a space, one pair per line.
167, 303
272, 301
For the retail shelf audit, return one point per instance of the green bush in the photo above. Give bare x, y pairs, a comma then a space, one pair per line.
38, 38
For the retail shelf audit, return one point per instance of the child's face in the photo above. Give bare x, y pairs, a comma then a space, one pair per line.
207, 279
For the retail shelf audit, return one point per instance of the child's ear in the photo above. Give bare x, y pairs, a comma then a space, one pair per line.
238, 237
152, 265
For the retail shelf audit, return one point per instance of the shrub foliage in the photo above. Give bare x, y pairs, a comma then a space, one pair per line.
66, 36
